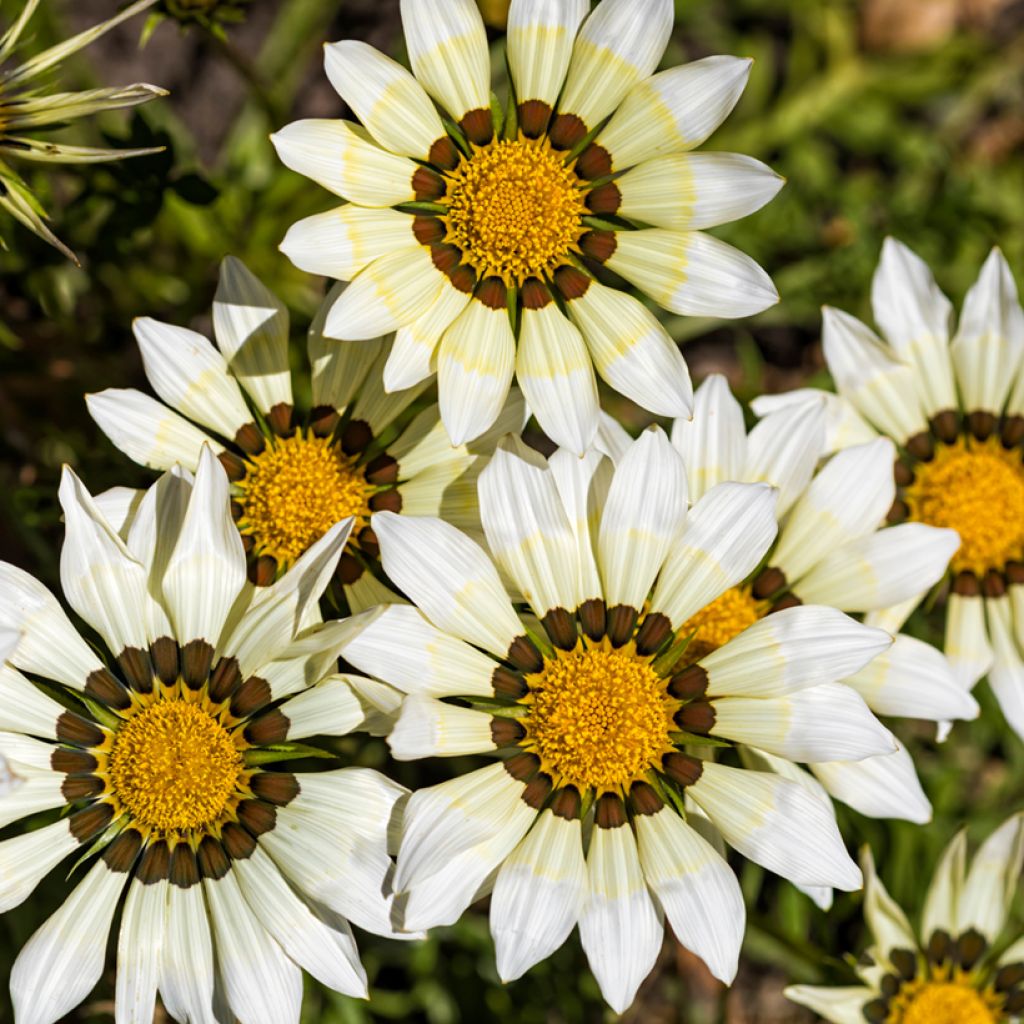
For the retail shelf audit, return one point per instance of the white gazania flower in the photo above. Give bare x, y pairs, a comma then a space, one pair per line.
161, 754
597, 810
955, 408
952, 975
357, 451
831, 550
474, 236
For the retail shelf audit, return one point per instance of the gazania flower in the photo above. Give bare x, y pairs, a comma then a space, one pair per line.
831, 550
475, 236
25, 111
955, 409
953, 975
293, 476
596, 811
236, 874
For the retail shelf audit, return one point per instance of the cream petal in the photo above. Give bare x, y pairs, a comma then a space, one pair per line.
836, 1005
540, 39
619, 44
691, 191
527, 528
692, 273
885, 786
967, 643
139, 942
427, 727
844, 425
885, 918
146, 430
556, 373
186, 968
330, 707
448, 51
643, 515
338, 156
727, 534
250, 324
632, 351
538, 895
385, 97
377, 406
1006, 676
696, 888
674, 110
942, 901
475, 364
119, 506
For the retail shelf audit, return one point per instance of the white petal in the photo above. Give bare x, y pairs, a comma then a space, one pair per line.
57, 968
191, 376
261, 983
967, 644
885, 918
475, 363
330, 707
48, 644
914, 316
556, 373
329, 955
26, 859
250, 324
377, 406
428, 727
643, 515
882, 568
883, 389
539, 42
207, 570
713, 443
385, 97
632, 351
619, 44
400, 646
119, 506
25, 708
727, 534
449, 577
1006, 676
989, 343
186, 970
880, 787
913, 680
413, 356
338, 156
844, 425
690, 191
778, 824
139, 949
392, 291
528, 530
620, 928
100, 579
790, 650
847, 499
783, 450
829, 721
35, 791
942, 901
340, 242
836, 1005
696, 887
146, 430
692, 273
674, 110
538, 895
448, 51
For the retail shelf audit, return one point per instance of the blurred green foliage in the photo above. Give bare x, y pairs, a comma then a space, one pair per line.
874, 139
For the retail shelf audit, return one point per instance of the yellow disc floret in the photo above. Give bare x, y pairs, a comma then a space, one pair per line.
173, 766
942, 1002
977, 489
717, 623
598, 717
295, 490
514, 209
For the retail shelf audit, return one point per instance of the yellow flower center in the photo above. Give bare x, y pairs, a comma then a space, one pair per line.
599, 718
977, 489
945, 1002
514, 209
717, 623
173, 766
295, 490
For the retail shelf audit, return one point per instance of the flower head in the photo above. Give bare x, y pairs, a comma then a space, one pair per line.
950, 973
475, 236
606, 787
25, 111
954, 404
162, 753
294, 475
